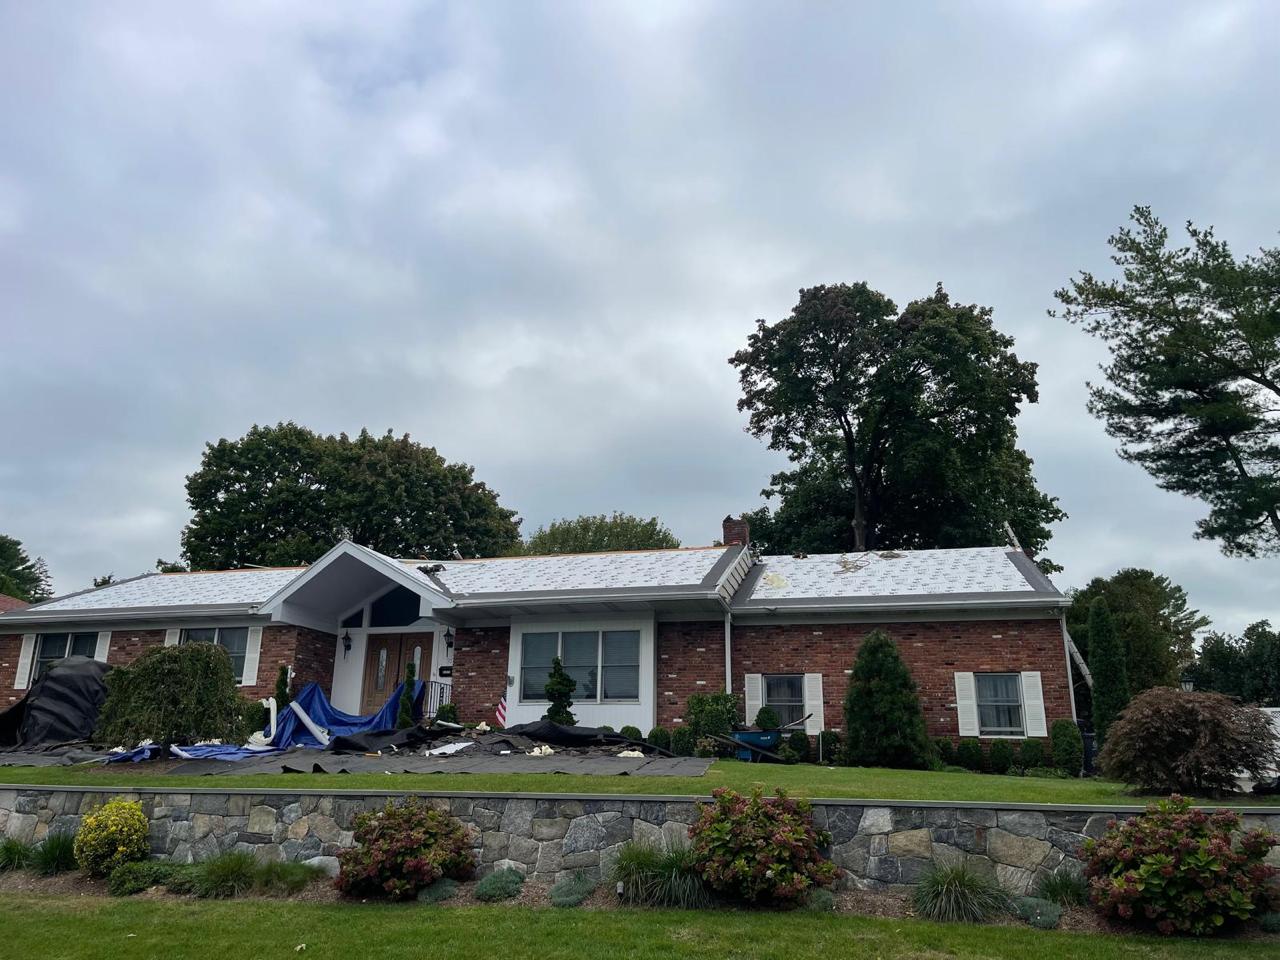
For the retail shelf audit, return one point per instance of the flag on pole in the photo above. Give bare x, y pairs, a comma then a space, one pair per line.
502, 712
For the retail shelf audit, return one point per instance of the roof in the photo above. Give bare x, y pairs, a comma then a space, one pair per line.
11, 603
951, 577
242, 588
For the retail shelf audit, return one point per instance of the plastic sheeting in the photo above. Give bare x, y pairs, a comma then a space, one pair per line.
61, 706
291, 732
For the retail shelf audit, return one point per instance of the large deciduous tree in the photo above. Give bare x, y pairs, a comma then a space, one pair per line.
1193, 386
1247, 667
598, 533
900, 425
20, 575
283, 495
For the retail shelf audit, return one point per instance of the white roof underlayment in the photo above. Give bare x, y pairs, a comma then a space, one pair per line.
179, 590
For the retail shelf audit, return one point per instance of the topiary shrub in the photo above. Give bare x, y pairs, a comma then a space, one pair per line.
1067, 747
798, 741
1180, 870
1041, 914
969, 754
571, 891
447, 713
1030, 754
559, 691
648, 876
113, 834
956, 893
758, 848
659, 737
946, 751
767, 719
632, 733
1176, 741
1000, 757
504, 884
438, 891
403, 848
404, 710
137, 876
683, 742
883, 721
711, 714
180, 694
829, 746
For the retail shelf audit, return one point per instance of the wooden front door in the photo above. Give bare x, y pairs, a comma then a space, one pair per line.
383, 668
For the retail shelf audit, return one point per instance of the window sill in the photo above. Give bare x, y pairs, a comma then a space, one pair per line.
581, 703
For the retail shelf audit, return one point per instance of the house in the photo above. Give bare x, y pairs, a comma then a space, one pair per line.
8, 603
981, 629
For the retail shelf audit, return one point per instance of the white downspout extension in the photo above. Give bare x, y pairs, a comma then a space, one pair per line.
728, 651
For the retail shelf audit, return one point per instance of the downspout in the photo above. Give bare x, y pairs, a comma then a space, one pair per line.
728, 650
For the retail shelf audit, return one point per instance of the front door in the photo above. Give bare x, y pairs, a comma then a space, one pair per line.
383, 669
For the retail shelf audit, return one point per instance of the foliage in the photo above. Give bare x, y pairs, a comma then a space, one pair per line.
104, 581
56, 853
956, 893
403, 848
1152, 618
254, 715
183, 878
1108, 663
136, 876
659, 737
1179, 869
705, 747
283, 495
901, 426
653, 877
969, 755
1170, 740
1247, 666
504, 884
708, 714
14, 854
683, 742
599, 534
1041, 914
820, 900
571, 891
284, 878
1063, 886
758, 848
1269, 922
438, 891
283, 695
1194, 378
945, 750
179, 694
767, 719
1067, 746
1045, 773
605, 728
232, 873
1030, 754
632, 733
20, 576
171, 566
883, 721
830, 746
113, 834
404, 711
559, 690
447, 713
798, 741
1000, 756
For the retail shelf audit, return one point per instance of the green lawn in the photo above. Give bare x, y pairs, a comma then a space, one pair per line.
62, 928
800, 780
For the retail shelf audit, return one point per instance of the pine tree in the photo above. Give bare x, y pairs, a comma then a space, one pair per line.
1107, 664
884, 725
559, 689
404, 716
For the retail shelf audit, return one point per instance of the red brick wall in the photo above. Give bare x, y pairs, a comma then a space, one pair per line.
310, 653
934, 652
10, 647
128, 645
690, 660
479, 671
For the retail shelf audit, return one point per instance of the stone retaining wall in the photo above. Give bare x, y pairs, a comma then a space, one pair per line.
878, 844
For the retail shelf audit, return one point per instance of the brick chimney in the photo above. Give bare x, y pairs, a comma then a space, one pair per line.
736, 531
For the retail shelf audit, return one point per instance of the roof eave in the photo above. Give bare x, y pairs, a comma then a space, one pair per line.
95, 615
830, 605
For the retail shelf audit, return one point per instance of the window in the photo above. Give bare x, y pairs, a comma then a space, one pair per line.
55, 646
999, 704
605, 663
397, 607
234, 639
785, 694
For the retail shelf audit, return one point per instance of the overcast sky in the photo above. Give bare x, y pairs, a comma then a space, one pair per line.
529, 234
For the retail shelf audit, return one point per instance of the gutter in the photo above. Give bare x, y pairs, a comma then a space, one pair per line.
1053, 603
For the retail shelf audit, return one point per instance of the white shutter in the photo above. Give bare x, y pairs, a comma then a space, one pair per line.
813, 704
104, 646
1033, 705
966, 705
251, 652
171, 637
25, 655
753, 687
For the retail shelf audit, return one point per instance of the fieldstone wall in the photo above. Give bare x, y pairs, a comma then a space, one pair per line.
880, 846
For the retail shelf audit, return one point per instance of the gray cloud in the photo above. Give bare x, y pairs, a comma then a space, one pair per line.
531, 236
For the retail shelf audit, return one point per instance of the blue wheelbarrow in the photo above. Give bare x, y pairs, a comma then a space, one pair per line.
755, 746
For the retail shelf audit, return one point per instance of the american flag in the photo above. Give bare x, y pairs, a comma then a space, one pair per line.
502, 712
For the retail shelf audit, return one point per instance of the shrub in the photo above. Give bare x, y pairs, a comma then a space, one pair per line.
14, 854
946, 751
1045, 773
652, 877
1109, 666
659, 737
180, 694
1030, 754
883, 722
438, 891
571, 891
1067, 746
1041, 914
1063, 886
55, 854
403, 848
559, 691
1180, 870
798, 741
1269, 922
183, 878
605, 728
767, 719
1176, 741
683, 742
632, 733
760, 848
283, 878
504, 884
969, 755
138, 875
113, 834
705, 747
820, 900
709, 714
447, 713
1000, 757
829, 746
404, 710
254, 715
283, 694
227, 875
956, 893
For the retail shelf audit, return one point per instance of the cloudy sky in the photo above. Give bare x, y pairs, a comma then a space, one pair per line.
530, 235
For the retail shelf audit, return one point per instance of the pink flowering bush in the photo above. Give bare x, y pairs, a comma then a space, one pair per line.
760, 849
1180, 870
402, 849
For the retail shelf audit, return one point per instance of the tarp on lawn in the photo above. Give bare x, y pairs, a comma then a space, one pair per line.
61, 706
292, 732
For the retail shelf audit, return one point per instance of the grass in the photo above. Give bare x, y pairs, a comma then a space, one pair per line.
56, 853
655, 877
802, 780
957, 892
143, 929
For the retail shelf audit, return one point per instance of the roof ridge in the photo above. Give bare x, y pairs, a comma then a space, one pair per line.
580, 553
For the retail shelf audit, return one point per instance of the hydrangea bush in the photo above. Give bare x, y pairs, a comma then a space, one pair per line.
403, 848
114, 834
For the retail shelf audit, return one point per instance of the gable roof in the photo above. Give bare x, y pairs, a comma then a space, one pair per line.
8, 603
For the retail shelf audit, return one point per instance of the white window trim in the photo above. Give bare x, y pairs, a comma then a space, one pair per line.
1022, 705
252, 647
516, 651
38, 641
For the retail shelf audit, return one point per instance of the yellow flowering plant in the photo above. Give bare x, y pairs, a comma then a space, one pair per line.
113, 834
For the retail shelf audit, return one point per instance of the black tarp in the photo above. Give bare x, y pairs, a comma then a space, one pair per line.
61, 706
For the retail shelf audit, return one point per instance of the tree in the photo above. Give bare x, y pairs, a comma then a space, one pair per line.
598, 533
283, 695
283, 495
1193, 386
901, 426
170, 566
20, 576
1153, 618
884, 725
1246, 667
559, 690
1107, 663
